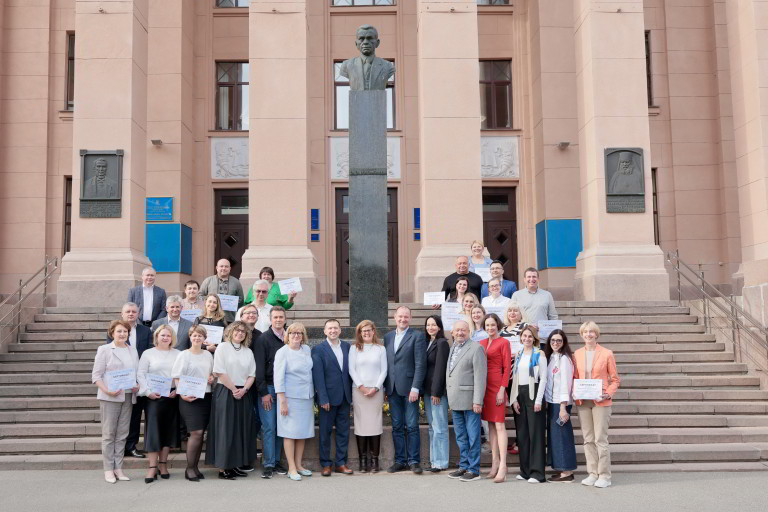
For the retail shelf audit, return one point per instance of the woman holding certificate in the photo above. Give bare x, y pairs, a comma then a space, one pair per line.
274, 297
197, 363
231, 437
594, 362
161, 429
115, 360
212, 315
295, 393
561, 452
528, 385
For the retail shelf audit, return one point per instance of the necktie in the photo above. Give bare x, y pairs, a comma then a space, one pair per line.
367, 73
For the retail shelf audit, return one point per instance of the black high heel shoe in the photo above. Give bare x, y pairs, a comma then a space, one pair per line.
191, 479
226, 475
199, 474
149, 480
164, 476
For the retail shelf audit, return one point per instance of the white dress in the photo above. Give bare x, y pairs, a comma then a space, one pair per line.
293, 377
368, 368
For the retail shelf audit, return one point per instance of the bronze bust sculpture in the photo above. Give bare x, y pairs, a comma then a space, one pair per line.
367, 72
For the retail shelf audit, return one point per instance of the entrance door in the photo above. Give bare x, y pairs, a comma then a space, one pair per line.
342, 243
499, 228
231, 227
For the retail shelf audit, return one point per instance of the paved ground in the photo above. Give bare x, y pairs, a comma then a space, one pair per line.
61, 491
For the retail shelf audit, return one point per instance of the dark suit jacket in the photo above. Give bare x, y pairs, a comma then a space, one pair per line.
182, 337
264, 350
143, 338
407, 367
136, 295
332, 384
437, 360
381, 70
507, 289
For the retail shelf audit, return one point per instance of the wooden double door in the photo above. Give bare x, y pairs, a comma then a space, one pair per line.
231, 227
500, 228
342, 244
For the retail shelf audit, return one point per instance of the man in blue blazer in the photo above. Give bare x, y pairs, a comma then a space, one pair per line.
333, 388
406, 368
507, 287
142, 294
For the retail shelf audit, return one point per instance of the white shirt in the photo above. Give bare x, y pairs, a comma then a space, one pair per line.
238, 364
155, 362
146, 315
263, 323
399, 335
174, 325
336, 347
559, 379
188, 364
368, 367
498, 301
132, 337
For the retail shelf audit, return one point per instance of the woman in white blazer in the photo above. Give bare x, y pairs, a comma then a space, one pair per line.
116, 405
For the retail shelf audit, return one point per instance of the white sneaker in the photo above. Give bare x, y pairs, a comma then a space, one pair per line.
533, 481
590, 480
602, 483
520, 477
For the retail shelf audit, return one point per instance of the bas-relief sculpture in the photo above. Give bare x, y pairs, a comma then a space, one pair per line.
624, 180
101, 174
500, 157
367, 72
229, 158
340, 158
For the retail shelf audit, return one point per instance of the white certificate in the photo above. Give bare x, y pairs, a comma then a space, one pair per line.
159, 384
191, 386
484, 273
121, 379
450, 313
432, 298
587, 389
546, 327
229, 302
514, 344
498, 310
215, 333
289, 286
190, 314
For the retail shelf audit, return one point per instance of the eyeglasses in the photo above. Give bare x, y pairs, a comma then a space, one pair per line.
261, 291
296, 334
366, 331
241, 331
250, 312
556, 340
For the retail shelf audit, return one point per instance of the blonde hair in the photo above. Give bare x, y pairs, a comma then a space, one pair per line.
164, 327
296, 327
229, 332
476, 242
219, 314
472, 320
589, 325
472, 296
359, 343
516, 306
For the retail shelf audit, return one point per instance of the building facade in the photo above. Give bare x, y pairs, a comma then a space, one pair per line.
501, 116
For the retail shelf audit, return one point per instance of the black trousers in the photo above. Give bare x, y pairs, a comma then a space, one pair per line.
135, 429
531, 435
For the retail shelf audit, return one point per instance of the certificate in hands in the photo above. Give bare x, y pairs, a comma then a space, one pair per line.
192, 386
215, 333
190, 314
229, 302
432, 298
484, 273
587, 389
289, 286
121, 379
547, 326
159, 384
450, 313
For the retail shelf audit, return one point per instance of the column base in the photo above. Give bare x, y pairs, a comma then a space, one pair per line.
94, 277
290, 261
433, 264
621, 273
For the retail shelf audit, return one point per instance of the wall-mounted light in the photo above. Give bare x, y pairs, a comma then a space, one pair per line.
157, 142
563, 144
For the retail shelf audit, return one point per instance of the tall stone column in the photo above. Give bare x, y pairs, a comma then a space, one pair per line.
278, 230
449, 138
107, 254
620, 260
747, 22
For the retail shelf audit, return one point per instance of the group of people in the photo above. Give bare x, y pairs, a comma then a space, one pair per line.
264, 379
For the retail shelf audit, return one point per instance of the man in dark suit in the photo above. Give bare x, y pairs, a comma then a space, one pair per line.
367, 72
179, 325
150, 298
406, 368
141, 338
333, 387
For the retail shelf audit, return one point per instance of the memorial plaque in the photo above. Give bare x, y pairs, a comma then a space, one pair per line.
101, 174
624, 180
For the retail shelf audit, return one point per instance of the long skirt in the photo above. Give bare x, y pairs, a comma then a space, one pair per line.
231, 437
162, 426
196, 414
561, 450
367, 413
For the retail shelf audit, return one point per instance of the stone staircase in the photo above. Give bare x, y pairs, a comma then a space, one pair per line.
684, 404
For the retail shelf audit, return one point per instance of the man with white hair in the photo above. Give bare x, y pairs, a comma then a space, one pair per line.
150, 298
179, 325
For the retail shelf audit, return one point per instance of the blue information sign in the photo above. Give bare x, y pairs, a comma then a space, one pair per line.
159, 208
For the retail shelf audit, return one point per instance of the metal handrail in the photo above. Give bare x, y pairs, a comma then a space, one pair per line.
25, 291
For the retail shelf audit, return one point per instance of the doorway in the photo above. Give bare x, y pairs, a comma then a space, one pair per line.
342, 244
231, 227
500, 228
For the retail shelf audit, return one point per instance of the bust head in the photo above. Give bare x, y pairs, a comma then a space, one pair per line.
367, 40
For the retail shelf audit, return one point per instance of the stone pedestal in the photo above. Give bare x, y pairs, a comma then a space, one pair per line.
368, 207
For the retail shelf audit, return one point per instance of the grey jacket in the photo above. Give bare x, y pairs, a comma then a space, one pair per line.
465, 383
182, 337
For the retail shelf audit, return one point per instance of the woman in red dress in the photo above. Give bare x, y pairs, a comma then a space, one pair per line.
495, 401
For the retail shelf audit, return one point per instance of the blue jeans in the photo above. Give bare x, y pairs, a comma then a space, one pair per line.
272, 443
405, 427
466, 426
439, 444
